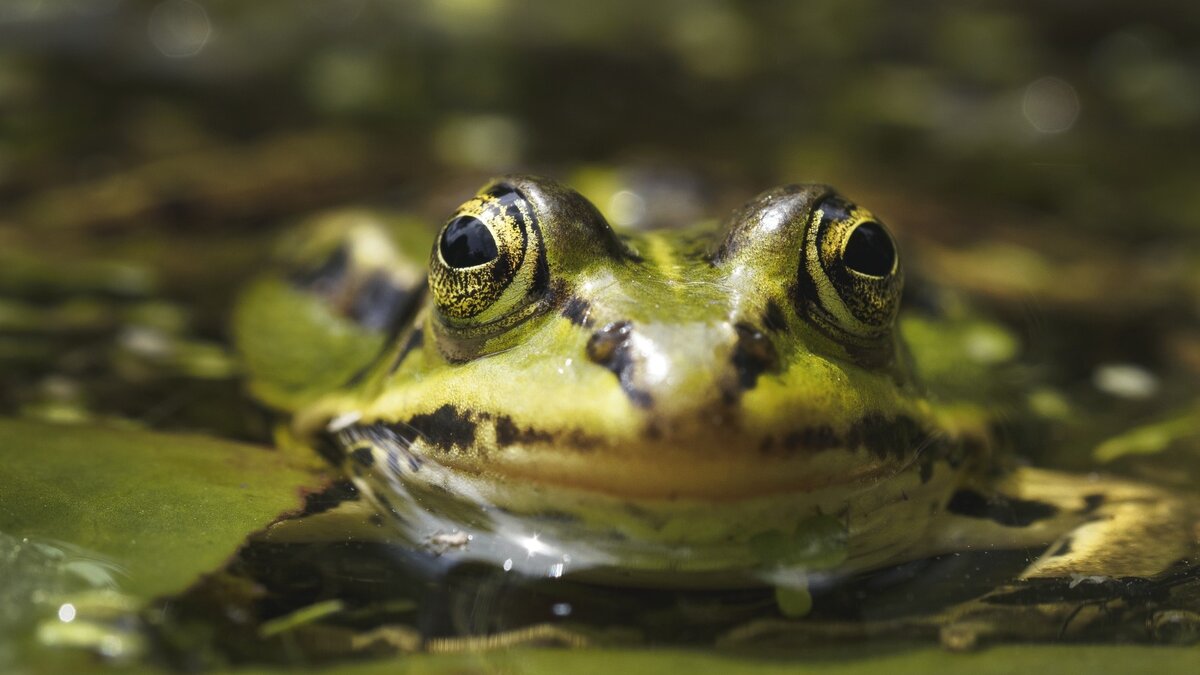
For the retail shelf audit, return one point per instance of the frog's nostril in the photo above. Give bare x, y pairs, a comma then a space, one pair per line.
753, 355
608, 345
612, 347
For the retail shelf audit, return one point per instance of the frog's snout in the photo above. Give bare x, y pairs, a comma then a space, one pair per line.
680, 370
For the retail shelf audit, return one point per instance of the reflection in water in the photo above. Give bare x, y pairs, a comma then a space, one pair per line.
392, 600
56, 595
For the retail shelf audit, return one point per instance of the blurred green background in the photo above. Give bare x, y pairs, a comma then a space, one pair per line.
1041, 156
1085, 112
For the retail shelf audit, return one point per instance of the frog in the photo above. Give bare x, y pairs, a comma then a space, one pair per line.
715, 405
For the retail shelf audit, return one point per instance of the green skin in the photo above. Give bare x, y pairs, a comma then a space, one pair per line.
685, 407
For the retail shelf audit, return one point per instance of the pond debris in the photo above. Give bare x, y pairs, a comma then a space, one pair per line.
300, 617
442, 543
1152, 438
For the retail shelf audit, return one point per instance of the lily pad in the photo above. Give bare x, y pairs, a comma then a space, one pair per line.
165, 508
894, 660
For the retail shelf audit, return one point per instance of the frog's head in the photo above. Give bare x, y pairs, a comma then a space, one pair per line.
692, 362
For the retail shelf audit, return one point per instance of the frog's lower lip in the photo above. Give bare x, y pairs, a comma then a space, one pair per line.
684, 477
700, 470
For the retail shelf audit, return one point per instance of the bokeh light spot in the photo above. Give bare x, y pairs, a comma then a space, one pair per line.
179, 28
626, 208
489, 142
66, 613
1050, 105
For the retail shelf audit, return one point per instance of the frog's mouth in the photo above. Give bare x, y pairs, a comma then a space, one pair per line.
705, 464
694, 512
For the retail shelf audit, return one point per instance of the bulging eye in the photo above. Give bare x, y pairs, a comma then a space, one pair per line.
851, 278
484, 265
467, 242
869, 250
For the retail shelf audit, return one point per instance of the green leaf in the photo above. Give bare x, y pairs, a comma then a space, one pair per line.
165, 508
845, 659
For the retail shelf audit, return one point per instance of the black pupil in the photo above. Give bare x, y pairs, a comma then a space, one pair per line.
870, 250
466, 242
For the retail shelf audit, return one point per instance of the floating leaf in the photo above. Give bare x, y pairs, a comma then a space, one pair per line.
834, 660
165, 508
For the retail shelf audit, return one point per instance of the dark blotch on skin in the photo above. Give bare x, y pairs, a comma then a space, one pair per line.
415, 340
330, 449
1092, 502
399, 321
319, 502
804, 293
941, 449
773, 318
610, 347
1008, 511
887, 437
820, 437
385, 438
378, 302
363, 457
508, 433
375, 302
753, 355
576, 310
541, 275
327, 277
445, 427
883, 437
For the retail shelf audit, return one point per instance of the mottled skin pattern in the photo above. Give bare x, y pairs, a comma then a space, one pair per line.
666, 379
674, 395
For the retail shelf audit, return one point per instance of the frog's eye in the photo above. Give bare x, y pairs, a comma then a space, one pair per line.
467, 242
484, 264
869, 250
851, 273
